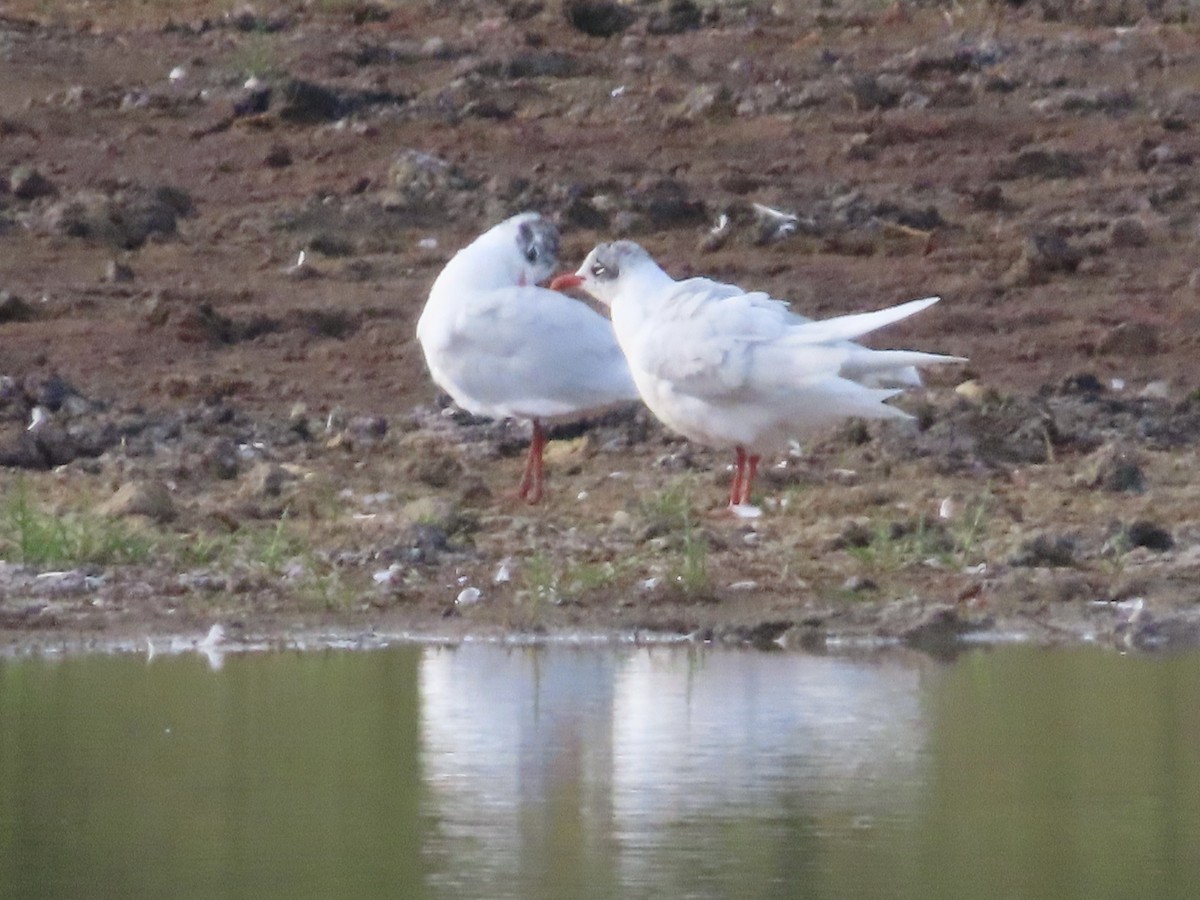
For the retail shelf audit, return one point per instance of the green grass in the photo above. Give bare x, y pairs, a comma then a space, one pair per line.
895, 545
34, 536
669, 514
545, 582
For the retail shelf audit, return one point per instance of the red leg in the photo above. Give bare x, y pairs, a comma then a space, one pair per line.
748, 481
735, 489
530, 488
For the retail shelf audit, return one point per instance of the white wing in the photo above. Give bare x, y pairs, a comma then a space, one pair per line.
528, 352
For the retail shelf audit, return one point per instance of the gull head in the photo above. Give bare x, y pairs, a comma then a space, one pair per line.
528, 244
606, 269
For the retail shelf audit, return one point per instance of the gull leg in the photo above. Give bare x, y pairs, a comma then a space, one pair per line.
748, 481
530, 488
735, 489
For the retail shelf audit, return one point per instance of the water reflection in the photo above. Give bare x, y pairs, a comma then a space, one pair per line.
650, 768
486, 772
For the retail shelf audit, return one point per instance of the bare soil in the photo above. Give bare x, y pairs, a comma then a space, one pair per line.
1032, 163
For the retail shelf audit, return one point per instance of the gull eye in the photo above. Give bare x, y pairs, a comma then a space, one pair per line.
532, 253
598, 270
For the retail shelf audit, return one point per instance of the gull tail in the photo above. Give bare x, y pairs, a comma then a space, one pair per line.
847, 328
900, 364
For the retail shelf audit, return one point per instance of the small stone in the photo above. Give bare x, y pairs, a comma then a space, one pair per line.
1116, 468
621, 520
264, 480
1047, 551
874, 92
221, 459
1138, 339
1147, 534
1044, 254
253, 100
435, 48
857, 584
308, 103
708, 101
468, 596
1155, 390
117, 272
598, 18
278, 157
140, 498
1128, 231
973, 392
27, 183
1037, 162
14, 309
679, 16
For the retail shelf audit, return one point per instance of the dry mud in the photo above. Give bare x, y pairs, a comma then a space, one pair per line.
258, 441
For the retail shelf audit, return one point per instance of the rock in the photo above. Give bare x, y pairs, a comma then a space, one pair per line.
1042, 255
307, 103
1130, 339
117, 272
940, 630
1105, 100
679, 16
1128, 231
874, 92
708, 101
252, 101
422, 542
583, 213
974, 392
541, 64
1155, 390
125, 219
432, 465
140, 498
367, 428
14, 309
1045, 551
278, 157
598, 18
27, 183
1037, 162
19, 449
221, 460
1143, 533
1117, 469
667, 203
858, 584
421, 180
55, 444
265, 480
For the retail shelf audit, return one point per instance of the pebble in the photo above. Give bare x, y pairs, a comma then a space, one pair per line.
27, 183
1128, 231
468, 596
140, 498
598, 18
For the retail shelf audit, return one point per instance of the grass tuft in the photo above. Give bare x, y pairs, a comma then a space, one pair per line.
34, 536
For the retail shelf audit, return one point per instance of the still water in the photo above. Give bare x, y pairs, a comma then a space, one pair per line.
491, 772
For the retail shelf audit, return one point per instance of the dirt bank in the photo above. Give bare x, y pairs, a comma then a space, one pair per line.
222, 432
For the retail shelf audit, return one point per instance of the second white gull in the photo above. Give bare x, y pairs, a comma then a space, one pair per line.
736, 369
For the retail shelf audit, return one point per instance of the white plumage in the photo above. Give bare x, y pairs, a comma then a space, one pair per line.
502, 347
729, 368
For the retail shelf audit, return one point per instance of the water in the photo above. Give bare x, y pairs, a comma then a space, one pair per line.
488, 772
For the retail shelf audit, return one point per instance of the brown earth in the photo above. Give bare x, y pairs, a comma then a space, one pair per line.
1032, 163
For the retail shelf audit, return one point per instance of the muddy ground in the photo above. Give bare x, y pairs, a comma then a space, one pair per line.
199, 425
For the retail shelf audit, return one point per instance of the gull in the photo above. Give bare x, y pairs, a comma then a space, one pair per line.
503, 347
736, 369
